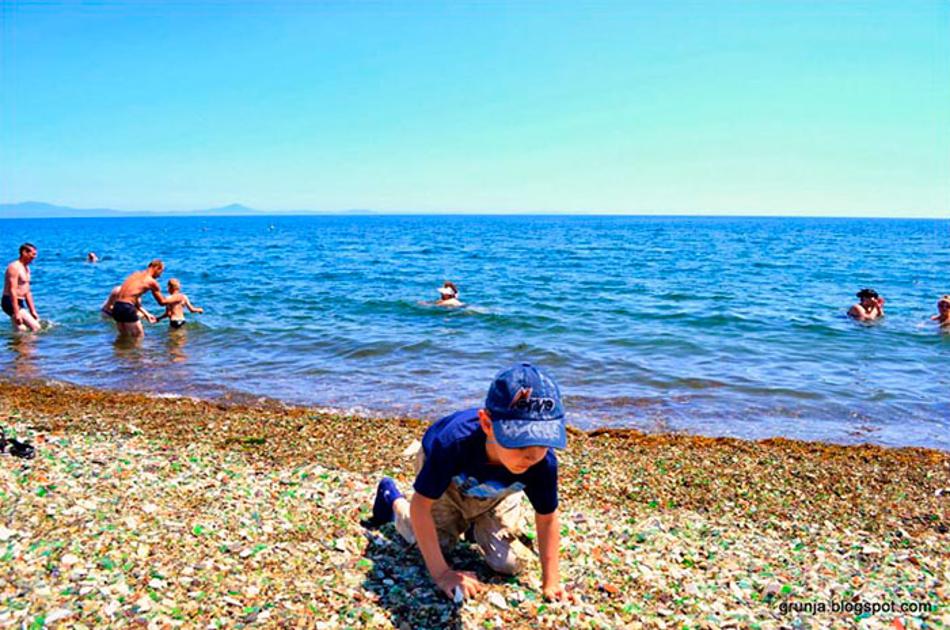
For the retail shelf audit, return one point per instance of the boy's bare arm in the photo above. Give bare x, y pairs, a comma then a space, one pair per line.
423, 526
191, 307
549, 545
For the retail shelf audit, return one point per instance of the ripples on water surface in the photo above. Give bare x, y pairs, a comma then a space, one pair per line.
717, 326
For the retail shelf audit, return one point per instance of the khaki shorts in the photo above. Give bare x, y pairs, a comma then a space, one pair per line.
496, 523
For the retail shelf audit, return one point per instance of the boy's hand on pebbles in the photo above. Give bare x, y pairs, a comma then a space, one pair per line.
556, 594
465, 580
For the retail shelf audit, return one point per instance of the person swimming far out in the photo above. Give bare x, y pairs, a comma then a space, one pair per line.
943, 311
869, 308
449, 295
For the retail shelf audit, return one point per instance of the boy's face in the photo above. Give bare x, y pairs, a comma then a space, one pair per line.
516, 460
519, 460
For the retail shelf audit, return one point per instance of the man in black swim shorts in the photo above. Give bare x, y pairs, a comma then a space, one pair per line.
17, 299
125, 312
127, 305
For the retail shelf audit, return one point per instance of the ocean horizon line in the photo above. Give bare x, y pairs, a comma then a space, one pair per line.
15, 210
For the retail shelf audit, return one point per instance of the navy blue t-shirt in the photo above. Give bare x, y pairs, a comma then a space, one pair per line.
455, 451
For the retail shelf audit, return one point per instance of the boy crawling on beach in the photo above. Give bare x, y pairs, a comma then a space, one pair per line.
470, 473
175, 304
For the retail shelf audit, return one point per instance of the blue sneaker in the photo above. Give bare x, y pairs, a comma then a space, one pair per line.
386, 494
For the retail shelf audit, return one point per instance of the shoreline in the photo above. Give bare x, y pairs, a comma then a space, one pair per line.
660, 529
248, 400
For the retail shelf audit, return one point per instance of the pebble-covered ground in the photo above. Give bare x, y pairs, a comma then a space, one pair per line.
159, 512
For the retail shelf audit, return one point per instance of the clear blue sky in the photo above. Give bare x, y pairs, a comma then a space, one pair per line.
827, 108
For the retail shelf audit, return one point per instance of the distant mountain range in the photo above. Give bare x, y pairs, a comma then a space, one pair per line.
40, 210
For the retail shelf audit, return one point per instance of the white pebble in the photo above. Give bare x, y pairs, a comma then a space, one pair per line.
497, 599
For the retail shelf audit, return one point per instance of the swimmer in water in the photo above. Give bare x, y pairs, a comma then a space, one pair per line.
92, 258
870, 307
943, 311
449, 295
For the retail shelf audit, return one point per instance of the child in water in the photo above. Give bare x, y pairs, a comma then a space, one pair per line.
943, 311
175, 304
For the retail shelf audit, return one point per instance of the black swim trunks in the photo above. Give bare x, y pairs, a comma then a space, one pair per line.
176, 323
7, 304
125, 312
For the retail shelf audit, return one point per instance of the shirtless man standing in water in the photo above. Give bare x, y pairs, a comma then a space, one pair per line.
17, 296
127, 304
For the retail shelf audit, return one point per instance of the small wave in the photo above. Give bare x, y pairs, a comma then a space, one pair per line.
406, 307
170, 396
478, 310
679, 297
546, 356
816, 327
358, 411
383, 348
700, 320
772, 392
697, 383
656, 343
430, 305
580, 402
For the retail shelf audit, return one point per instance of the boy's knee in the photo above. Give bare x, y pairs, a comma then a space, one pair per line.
506, 562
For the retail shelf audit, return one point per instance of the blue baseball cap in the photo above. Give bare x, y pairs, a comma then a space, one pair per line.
525, 407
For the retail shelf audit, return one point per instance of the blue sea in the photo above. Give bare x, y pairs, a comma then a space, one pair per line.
714, 326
